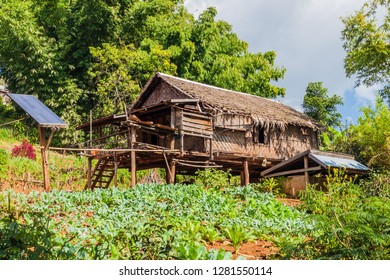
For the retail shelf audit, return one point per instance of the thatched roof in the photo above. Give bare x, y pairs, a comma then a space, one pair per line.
263, 111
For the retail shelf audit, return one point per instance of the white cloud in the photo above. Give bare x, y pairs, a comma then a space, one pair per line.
367, 95
304, 33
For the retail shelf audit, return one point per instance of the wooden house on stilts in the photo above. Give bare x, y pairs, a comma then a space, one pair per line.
183, 126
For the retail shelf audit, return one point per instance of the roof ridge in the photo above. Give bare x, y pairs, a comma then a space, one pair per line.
219, 88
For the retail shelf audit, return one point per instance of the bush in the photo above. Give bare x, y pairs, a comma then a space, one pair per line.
378, 184
271, 185
348, 223
24, 150
4, 162
215, 178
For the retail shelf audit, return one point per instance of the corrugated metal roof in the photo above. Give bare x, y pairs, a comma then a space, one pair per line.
323, 159
334, 161
37, 110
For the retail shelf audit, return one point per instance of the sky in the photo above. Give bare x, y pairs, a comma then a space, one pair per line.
306, 36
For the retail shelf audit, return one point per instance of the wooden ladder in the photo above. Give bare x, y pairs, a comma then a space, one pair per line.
103, 174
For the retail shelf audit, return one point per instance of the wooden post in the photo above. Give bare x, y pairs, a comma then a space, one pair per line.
181, 142
171, 144
115, 171
90, 129
133, 158
173, 125
173, 117
45, 160
89, 173
133, 169
211, 149
171, 172
246, 172
306, 166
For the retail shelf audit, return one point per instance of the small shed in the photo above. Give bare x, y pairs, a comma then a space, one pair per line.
310, 166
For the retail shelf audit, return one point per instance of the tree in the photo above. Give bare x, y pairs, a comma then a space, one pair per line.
321, 107
222, 59
371, 136
366, 42
369, 139
96, 54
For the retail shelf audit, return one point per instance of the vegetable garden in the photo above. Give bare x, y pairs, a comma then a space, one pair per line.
147, 222
155, 221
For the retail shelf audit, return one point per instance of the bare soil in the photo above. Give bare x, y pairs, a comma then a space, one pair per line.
256, 250
289, 201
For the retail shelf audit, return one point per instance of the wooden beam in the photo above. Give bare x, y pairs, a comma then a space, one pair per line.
285, 163
50, 138
296, 171
168, 172
184, 100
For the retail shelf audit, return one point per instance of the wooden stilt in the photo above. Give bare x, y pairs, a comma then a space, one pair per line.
89, 174
115, 171
172, 166
133, 158
246, 172
45, 159
133, 169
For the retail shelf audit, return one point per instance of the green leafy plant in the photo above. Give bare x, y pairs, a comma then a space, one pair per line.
4, 162
237, 234
214, 178
194, 251
272, 185
210, 234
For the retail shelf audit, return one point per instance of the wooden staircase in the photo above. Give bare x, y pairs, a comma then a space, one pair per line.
103, 174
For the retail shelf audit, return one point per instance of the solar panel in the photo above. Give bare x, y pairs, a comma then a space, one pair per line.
37, 110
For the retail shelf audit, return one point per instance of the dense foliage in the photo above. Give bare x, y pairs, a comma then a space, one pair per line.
148, 222
369, 139
366, 41
350, 222
82, 55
